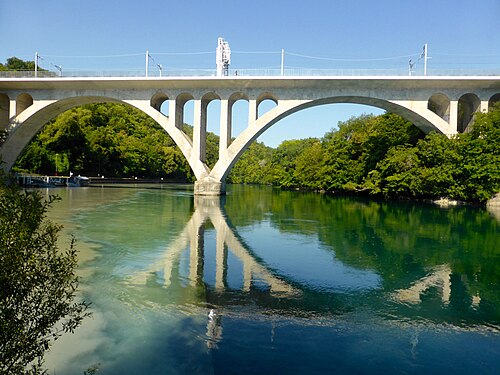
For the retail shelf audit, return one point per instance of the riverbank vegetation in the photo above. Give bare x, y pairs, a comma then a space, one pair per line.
37, 282
382, 155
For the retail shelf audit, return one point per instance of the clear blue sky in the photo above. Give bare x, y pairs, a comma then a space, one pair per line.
461, 34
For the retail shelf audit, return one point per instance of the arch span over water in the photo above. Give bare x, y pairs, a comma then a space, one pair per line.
431, 103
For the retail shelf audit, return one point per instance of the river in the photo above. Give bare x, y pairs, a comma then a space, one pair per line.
264, 281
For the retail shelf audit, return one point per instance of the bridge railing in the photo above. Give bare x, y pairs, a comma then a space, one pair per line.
270, 72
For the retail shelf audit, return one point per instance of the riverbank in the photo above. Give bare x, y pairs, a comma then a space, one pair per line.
132, 180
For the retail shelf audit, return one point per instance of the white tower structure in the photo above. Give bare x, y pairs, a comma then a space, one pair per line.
223, 57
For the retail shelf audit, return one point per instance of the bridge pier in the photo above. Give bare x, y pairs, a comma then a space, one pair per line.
209, 186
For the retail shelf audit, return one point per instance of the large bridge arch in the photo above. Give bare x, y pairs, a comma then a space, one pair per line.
427, 123
31, 120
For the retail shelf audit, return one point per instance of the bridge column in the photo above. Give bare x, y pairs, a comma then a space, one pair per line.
176, 113
200, 130
484, 106
454, 115
225, 127
252, 111
4, 111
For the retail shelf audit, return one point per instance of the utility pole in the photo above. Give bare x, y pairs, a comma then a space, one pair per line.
425, 59
36, 64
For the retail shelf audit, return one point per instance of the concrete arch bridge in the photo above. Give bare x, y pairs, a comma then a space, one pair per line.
442, 104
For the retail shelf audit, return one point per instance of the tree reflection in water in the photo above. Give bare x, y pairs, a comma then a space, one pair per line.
400, 242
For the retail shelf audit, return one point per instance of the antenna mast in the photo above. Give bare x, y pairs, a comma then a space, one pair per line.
223, 57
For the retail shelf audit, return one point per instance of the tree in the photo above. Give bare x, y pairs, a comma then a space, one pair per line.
15, 63
254, 166
37, 283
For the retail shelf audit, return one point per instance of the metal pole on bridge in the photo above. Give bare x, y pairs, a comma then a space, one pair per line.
425, 59
36, 64
147, 62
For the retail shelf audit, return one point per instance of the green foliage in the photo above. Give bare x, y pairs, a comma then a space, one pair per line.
107, 139
353, 151
388, 156
14, 63
379, 155
37, 283
254, 166
466, 167
284, 161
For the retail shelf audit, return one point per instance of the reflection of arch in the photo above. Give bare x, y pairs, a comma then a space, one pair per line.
23, 101
468, 104
440, 105
208, 209
439, 277
286, 108
4, 111
493, 100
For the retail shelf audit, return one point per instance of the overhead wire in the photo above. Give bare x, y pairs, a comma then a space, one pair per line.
349, 59
93, 56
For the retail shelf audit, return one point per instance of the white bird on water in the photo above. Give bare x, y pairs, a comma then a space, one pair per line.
211, 314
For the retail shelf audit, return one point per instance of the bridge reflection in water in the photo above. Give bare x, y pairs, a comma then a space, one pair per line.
209, 211
198, 278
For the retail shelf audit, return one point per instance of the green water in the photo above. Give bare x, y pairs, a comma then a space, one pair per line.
264, 281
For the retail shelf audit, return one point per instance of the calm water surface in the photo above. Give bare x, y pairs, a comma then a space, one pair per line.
263, 281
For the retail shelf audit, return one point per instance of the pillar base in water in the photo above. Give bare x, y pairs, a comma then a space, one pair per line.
209, 187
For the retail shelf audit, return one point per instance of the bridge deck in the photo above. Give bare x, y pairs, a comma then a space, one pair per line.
232, 82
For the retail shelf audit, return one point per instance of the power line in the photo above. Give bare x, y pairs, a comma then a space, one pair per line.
458, 55
349, 60
182, 53
258, 52
93, 56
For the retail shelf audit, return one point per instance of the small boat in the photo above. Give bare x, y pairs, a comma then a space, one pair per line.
28, 180
74, 181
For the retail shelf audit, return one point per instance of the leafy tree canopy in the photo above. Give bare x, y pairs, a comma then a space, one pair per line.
37, 283
14, 63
